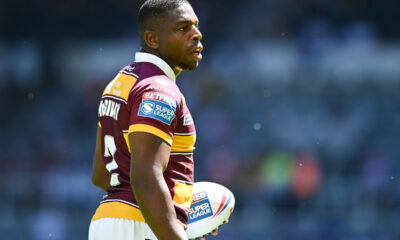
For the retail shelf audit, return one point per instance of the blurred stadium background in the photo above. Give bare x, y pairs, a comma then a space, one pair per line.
296, 104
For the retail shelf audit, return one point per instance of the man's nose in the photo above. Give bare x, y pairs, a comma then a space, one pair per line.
197, 36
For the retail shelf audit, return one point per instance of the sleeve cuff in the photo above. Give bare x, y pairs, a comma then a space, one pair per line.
150, 129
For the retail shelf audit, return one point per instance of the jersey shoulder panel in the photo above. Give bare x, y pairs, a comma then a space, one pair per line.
155, 105
120, 86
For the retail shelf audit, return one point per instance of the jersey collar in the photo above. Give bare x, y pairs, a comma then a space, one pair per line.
151, 58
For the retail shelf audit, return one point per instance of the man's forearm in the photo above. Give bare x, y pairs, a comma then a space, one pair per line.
156, 205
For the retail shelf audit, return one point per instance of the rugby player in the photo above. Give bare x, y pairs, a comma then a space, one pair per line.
146, 135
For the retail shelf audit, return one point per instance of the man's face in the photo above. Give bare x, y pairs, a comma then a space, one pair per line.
179, 39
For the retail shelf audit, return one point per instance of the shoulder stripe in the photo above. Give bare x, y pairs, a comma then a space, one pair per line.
130, 74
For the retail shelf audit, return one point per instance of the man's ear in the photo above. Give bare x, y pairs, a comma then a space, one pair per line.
150, 38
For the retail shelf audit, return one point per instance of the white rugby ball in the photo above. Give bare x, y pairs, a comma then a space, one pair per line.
212, 204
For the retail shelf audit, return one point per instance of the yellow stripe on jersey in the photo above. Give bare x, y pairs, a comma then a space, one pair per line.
120, 86
183, 194
118, 210
183, 143
150, 129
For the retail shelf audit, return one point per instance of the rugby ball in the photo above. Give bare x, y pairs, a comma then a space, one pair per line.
212, 204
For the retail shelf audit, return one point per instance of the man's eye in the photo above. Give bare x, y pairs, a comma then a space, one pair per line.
184, 28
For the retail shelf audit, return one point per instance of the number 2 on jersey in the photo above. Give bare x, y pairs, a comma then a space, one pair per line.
109, 151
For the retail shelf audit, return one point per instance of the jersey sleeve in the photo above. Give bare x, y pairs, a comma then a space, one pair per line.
154, 107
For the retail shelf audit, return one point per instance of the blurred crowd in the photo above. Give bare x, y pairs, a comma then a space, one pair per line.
296, 107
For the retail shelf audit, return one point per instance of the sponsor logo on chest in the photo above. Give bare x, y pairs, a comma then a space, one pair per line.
160, 88
157, 110
160, 97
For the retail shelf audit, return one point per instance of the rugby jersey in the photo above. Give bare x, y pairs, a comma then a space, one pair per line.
144, 97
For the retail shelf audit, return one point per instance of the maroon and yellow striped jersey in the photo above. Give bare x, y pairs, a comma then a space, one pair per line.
143, 97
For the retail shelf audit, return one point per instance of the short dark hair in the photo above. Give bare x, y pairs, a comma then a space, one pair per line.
154, 10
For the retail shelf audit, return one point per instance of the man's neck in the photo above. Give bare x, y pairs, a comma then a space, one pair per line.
154, 52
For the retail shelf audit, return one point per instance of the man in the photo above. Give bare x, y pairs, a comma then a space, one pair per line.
146, 135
